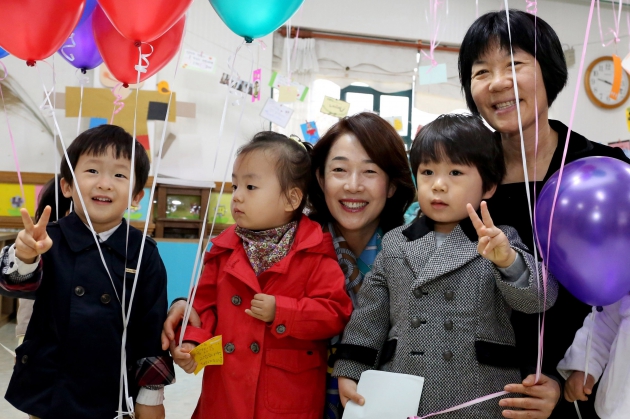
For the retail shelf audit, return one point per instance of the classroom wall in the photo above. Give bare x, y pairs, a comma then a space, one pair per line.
192, 155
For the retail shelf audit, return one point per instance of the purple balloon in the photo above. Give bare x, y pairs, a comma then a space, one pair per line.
89, 7
590, 236
84, 54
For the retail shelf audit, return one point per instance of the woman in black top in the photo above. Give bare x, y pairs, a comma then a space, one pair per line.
485, 70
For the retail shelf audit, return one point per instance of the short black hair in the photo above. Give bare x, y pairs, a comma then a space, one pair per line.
461, 139
97, 141
491, 29
293, 162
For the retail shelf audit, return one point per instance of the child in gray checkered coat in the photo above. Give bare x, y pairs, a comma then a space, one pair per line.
437, 302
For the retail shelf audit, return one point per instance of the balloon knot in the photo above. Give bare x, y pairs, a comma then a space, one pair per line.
30, 63
600, 309
125, 85
83, 71
249, 40
137, 44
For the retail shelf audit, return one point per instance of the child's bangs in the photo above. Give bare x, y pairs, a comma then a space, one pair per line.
439, 149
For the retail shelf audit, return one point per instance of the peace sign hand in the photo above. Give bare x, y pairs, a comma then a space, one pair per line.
33, 240
493, 244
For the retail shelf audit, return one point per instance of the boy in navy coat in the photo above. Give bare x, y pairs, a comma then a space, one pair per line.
70, 362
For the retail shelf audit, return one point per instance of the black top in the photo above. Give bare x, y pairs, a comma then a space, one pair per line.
509, 206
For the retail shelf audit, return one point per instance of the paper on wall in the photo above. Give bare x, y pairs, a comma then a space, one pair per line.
335, 107
387, 395
429, 74
276, 113
278, 80
197, 61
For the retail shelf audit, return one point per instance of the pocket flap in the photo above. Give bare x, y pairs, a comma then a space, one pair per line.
293, 360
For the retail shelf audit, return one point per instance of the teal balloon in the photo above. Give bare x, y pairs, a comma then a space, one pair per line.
255, 18
3, 53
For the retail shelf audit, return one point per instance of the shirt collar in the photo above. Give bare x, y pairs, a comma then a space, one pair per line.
423, 225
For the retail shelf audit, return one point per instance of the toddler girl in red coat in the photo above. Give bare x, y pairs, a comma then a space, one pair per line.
272, 287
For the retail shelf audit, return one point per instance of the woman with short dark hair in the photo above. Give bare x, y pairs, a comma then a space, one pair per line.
485, 71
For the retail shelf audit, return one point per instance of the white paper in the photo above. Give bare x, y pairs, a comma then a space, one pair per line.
276, 113
387, 395
197, 60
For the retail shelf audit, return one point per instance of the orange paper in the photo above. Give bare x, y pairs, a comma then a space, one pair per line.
616, 84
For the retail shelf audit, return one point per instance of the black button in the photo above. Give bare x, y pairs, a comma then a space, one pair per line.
415, 322
11, 264
236, 300
417, 293
106, 298
24, 359
80, 291
281, 329
449, 295
254, 347
448, 324
229, 348
447, 355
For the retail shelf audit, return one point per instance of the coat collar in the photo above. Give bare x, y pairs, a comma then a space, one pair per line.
309, 236
423, 225
428, 262
79, 236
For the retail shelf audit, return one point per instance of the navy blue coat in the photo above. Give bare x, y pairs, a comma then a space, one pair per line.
69, 363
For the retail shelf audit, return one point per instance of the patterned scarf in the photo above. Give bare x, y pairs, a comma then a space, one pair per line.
355, 269
267, 247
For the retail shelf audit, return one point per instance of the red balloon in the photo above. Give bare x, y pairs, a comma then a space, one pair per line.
121, 55
34, 29
144, 20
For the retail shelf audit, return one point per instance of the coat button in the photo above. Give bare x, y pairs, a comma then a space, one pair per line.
417, 293
449, 295
254, 347
415, 322
236, 300
447, 355
448, 324
80, 291
106, 298
281, 329
24, 359
229, 348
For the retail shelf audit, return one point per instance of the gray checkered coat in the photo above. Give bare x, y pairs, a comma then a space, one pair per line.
448, 309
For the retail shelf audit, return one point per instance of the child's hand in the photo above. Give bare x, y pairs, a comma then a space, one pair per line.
574, 388
263, 307
149, 412
174, 317
348, 391
33, 240
182, 357
493, 244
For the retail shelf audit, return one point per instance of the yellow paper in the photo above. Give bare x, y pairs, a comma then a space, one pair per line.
287, 94
616, 84
335, 107
208, 353
628, 118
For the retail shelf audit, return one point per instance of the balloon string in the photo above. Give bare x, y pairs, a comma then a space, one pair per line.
197, 271
615, 31
463, 405
69, 57
83, 80
532, 6
433, 9
118, 103
13, 148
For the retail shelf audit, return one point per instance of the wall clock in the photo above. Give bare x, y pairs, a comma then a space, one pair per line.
598, 81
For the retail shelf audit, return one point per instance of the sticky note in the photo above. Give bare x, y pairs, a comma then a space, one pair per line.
276, 113
287, 94
428, 74
335, 107
208, 353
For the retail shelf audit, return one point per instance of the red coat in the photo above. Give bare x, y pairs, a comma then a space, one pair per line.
275, 370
